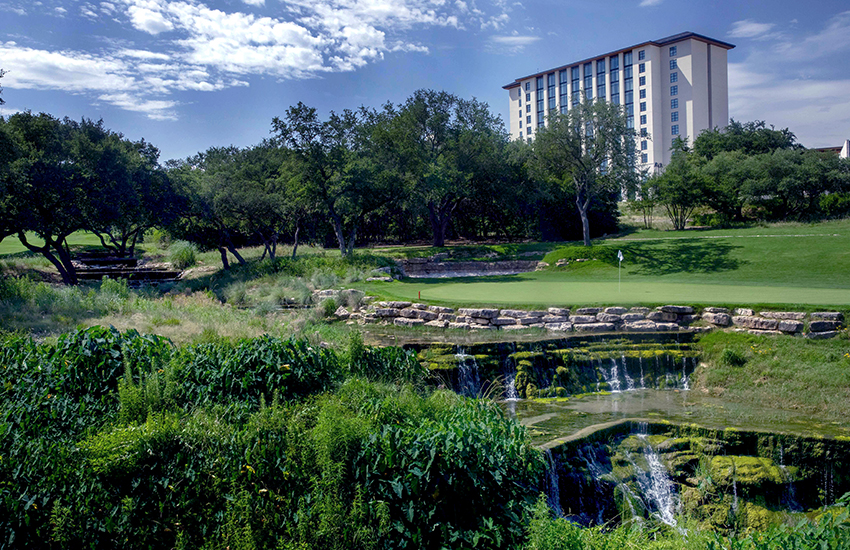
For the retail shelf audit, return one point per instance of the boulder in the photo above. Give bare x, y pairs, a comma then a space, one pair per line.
559, 327
410, 313
440, 309
559, 311
419, 306
426, 315
536, 313
790, 326
515, 327
603, 317
588, 310
512, 313
753, 322
720, 319
463, 319
482, 313
527, 320
541, 266
824, 326
396, 305
583, 319
644, 325
446, 317
436, 324
325, 294
640, 309
548, 319
743, 312
716, 309
408, 322
662, 316
379, 279
678, 310
828, 315
594, 327
502, 321
461, 326
387, 312
631, 317
821, 335
688, 319
788, 315
478, 322
615, 310
667, 327
342, 313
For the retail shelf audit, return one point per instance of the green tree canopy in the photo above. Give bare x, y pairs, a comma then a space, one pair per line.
591, 149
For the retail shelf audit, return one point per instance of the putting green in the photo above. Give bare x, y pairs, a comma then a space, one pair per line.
580, 293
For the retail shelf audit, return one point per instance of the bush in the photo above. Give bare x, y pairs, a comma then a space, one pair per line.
182, 254
731, 357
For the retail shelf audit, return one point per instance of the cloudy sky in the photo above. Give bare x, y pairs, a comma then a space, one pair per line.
190, 74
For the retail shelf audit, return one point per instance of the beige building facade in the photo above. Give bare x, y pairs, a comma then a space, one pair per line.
672, 87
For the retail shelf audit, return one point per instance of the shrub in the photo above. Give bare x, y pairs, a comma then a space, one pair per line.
731, 357
182, 254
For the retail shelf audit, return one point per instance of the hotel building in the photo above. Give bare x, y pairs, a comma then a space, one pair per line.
675, 86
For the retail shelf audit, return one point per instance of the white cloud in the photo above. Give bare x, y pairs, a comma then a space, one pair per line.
154, 109
748, 28
513, 43
148, 20
833, 39
256, 3
648, 3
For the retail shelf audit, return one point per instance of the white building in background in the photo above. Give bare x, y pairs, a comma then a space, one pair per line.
675, 86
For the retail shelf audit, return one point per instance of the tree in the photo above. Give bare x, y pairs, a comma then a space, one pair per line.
725, 179
679, 187
749, 138
447, 150
336, 165
2, 101
591, 149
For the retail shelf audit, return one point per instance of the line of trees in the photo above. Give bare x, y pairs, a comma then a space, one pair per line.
434, 167
747, 172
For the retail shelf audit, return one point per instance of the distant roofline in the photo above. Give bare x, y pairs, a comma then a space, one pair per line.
660, 42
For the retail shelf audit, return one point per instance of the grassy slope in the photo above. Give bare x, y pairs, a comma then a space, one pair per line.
785, 264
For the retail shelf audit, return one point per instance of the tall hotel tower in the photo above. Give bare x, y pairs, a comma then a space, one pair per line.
675, 86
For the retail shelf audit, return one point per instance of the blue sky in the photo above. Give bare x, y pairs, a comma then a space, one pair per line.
189, 74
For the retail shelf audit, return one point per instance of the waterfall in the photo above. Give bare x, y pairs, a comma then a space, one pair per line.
510, 388
657, 486
613, 377
642, 378
553, 492
596, 471
789, 497
734, 495
630, 384
686, 384
469, 383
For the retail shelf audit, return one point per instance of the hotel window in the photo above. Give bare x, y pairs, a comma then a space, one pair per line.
628, 87
528, 119
642, 106
642, 68
644, 145
540, 99
564, 91
643, 132
600, 78
520, 101
674, 90
643, 119
675, 130
528, 130
527, 87
674, 77
674, 103
520, 134
527, 108
644, 158
527, 97
600, 66
673, 65
615, 87
541, 119
672, 51
642, 81
588, 129
551, 81
574, 73
643, 94
520, 114
588, 80
674, 116
641, 55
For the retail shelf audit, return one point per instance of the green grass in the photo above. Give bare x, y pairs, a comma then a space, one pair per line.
807, 376
783, 264
11, 245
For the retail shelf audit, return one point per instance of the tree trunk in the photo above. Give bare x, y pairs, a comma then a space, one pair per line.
340, 237
351, 239
63, 263
295, 238
225, 264
235, 253
440, 216
583, 203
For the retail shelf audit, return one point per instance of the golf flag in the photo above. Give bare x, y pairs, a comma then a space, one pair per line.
620, 255
619, 278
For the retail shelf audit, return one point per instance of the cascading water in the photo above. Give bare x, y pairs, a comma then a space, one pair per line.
657, 486
686, 384
469, 382
612, 377
642, 377
553, 491
630, 383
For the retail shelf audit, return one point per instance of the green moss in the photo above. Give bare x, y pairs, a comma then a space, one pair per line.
746, 471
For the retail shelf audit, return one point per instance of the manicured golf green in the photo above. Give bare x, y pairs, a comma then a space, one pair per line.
780, 264
11, 245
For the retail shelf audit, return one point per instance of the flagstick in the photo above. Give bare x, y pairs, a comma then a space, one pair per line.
619, 278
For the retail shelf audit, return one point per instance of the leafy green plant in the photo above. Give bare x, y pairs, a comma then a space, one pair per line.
182, 254
731, 357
